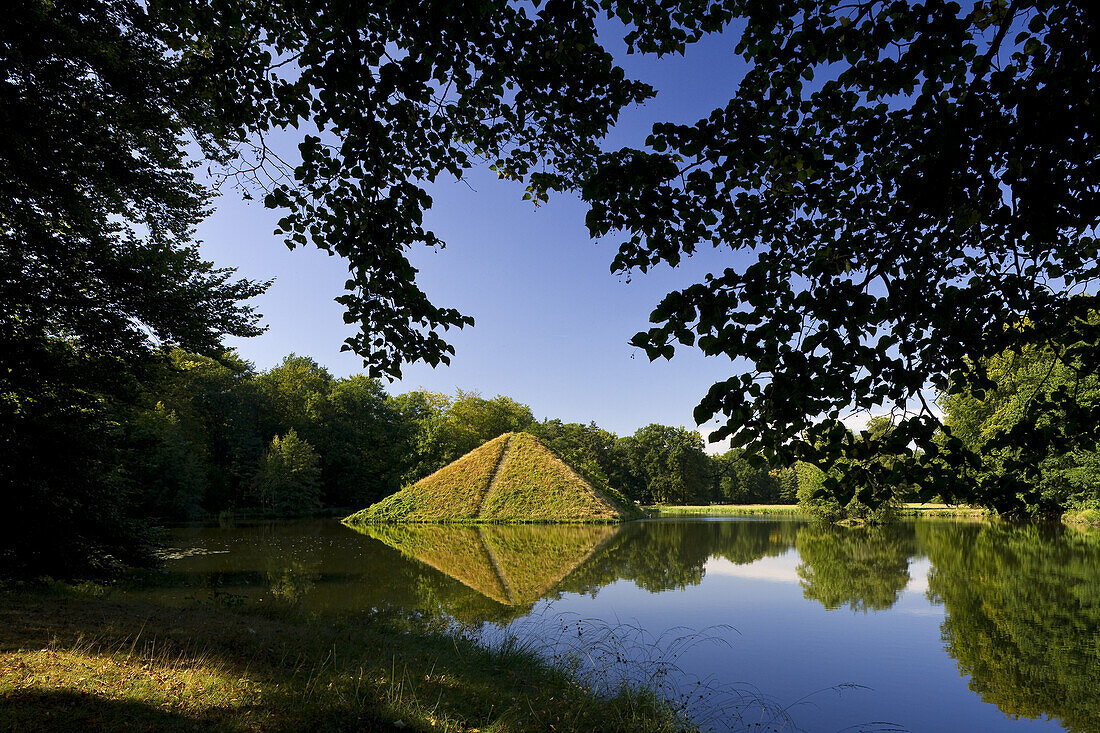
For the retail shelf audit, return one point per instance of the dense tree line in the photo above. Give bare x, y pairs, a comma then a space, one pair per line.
206, 435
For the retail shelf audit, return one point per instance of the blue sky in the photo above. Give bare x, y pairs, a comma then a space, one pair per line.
552, 322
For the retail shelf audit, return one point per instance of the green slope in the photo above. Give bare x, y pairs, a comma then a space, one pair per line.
512, 478
454, 493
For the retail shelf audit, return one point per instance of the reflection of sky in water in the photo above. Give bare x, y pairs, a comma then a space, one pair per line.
776, 569
735, 605
802, 656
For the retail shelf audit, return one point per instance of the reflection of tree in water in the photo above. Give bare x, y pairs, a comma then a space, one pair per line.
660, 556
865, 568
1023, 616
290, 578
509, 567
746, 542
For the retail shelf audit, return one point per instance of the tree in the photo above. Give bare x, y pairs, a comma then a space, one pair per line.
108, 107
218, 414
295, 392
366, 445
906, 184
387, 101
672, 464
1061, 471
425, 413
97, 267
474, 420
71, 511
290, 476
170, 469
911, 188
745, 479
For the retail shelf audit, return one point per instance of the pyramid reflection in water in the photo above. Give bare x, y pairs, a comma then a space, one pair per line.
511, 564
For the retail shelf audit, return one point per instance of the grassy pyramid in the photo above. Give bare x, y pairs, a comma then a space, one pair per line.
513, 564
512, 478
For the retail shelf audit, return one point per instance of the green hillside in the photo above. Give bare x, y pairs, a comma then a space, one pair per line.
512, 478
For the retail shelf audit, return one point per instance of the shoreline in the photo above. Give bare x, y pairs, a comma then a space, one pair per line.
73, 657
794, 510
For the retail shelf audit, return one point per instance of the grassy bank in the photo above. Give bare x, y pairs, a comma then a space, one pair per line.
942, 510
70, 660
722, 510
1089, 518
725, 510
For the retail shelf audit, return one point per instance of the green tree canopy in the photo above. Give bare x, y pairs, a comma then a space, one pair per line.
365, 447
672, 464
1037, 395
290, 476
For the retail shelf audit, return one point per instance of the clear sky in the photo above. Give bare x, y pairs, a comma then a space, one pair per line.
552, 322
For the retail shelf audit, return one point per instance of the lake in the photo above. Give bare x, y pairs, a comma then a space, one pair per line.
926, 625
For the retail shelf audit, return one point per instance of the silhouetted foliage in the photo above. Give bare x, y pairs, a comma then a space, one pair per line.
910, 188
913, 188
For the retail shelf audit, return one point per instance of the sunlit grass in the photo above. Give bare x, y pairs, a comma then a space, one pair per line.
512, 478
1089, 517
455, 492
534, 485
721, 510
69, 662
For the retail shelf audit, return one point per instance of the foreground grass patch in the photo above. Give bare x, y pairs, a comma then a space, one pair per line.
69, 662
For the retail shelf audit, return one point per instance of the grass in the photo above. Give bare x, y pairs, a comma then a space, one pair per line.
1089, 517
535, 485
512, 478
454, 493
70, 661
914, 509
722, 510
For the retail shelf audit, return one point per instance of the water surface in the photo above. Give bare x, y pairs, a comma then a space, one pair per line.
927, 625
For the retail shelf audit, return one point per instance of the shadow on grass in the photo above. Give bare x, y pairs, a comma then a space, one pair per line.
74, 663
69, 710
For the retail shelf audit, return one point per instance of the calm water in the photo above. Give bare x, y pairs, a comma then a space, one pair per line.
930, 625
